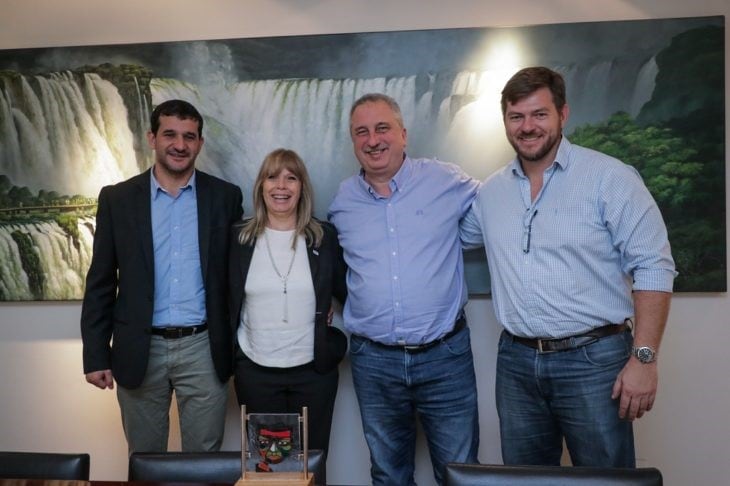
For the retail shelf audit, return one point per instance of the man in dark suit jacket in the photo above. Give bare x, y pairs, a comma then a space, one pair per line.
156, 289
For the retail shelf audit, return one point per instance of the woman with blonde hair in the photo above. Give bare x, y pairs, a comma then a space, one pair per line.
285, 266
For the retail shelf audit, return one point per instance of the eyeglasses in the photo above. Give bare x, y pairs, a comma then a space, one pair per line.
527, 233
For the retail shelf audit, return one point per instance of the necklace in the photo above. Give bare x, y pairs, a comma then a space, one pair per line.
284, 278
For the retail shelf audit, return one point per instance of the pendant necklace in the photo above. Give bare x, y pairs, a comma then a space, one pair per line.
284, 278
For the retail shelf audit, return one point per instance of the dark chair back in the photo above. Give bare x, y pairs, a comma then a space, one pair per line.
486, 475
203, 467
44, 465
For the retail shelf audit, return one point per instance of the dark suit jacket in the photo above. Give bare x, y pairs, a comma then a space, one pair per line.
328, 275
119, 298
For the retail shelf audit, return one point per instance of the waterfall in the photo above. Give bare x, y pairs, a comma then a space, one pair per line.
597, 91
64, 134
71, 134
462, 123
13, 279
247, 120
74, 127
143, 109
644, 86
60, 267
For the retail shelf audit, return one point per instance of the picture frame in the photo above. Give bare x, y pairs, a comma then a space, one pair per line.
73, 119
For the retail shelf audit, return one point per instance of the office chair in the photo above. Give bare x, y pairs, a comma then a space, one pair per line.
488, 475
42, 465
204, 467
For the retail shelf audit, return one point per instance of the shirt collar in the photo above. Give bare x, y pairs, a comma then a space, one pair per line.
396, 183
156, 188
562, 158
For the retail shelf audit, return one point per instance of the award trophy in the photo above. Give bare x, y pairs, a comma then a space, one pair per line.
274, 449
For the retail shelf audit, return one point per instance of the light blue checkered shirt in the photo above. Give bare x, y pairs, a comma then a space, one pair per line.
567, 262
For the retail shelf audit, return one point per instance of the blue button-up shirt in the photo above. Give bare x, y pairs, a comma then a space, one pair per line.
179, 289
406, 273
567, 262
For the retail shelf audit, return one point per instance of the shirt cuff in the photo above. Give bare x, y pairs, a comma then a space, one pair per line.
658, 280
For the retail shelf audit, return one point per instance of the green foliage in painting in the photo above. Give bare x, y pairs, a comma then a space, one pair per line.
677, 178
677, 143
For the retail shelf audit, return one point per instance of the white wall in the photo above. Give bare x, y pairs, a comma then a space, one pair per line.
45, 405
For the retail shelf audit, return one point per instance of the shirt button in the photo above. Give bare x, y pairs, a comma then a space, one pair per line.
395, 277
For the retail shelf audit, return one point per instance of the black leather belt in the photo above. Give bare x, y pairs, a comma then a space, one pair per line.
175, 332
571, 342
459, 325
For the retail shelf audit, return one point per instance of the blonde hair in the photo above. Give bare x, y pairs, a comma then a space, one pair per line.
306, 225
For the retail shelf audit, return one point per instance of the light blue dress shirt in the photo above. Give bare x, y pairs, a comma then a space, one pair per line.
179, 289
405, 276
567, 262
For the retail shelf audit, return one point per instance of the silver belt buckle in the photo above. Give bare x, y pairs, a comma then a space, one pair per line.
541, 350
170, 332
539, 346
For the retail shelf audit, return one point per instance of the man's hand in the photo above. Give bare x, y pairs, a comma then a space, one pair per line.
102, 379
636, 387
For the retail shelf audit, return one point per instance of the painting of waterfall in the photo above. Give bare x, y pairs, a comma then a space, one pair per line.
73, 119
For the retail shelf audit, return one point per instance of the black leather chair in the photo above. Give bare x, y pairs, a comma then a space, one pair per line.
43, 465
486, 475
204, 467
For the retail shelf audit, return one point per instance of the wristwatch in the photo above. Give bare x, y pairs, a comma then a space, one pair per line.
645, 354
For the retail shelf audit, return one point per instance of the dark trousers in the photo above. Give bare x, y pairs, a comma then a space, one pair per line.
287, 390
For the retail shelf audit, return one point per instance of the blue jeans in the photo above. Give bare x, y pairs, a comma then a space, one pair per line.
438, 385
545, 398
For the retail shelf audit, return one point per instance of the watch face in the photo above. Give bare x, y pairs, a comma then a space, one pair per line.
644, 354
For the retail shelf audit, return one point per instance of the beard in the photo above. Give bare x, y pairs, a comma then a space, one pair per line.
540, 152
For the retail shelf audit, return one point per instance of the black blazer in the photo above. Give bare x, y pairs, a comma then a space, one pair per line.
327, 266
119, 299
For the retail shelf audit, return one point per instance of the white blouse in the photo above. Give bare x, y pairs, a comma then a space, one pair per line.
276, 328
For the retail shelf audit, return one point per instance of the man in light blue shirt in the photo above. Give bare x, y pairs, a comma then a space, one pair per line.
577, 250
398, 224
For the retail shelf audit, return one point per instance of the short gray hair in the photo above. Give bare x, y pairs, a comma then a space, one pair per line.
376, 97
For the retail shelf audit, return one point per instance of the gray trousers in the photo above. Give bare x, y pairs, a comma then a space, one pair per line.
184, 366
